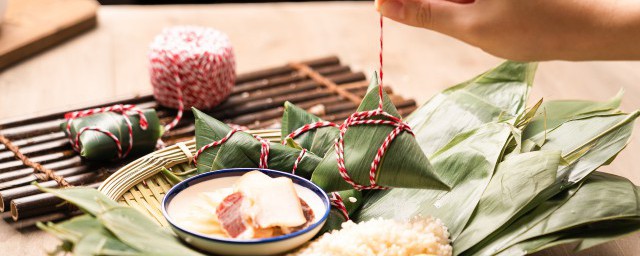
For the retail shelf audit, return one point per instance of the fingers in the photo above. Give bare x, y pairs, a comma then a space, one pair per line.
440, 15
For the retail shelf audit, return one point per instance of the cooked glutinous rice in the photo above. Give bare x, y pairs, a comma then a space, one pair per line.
422, 235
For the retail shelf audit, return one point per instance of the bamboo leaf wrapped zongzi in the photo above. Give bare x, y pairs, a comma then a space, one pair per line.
112, 132
403, 164
241, 149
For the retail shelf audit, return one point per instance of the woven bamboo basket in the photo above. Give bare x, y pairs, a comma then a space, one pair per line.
141, 185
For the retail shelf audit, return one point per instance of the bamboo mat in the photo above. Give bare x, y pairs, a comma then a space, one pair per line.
256, 102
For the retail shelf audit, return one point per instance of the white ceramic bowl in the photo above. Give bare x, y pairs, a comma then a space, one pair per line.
211, 181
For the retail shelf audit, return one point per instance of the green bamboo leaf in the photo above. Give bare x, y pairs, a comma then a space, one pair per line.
430, 126
352, 200
243, 150
499, 94
373, 82
403, 165
89, 200
506, 86
467, 162
526, 117
171, 177
118, 227
318, 141
139, 232
531, 246
102, 243
585, 237
583, 207
595, 140
516, 183
553, 113
602, 136
289, 142
98, 146
591, 203
334, 221
72, 230
84, 235
593, 235
504, 237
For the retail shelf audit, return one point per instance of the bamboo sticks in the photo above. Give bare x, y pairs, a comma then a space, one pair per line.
58, 165
237, 100
39, 204
6, 196
256, 75
284, 80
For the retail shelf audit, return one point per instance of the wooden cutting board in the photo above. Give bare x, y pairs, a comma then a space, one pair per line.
31, 26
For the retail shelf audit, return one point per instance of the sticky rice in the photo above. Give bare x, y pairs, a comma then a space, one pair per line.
426, 236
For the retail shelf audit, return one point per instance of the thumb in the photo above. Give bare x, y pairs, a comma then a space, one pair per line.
439, 15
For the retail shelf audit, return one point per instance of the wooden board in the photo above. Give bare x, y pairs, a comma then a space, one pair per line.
31, 26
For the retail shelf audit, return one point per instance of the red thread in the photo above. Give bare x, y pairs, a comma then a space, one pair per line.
180, 110
336, 200
298, 160
122, 109
264, 152
213, 144
191, 66
264, 148
381, 62
308, 127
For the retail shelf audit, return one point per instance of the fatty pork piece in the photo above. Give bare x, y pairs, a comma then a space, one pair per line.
263, 207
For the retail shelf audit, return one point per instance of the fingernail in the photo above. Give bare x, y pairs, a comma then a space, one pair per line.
393, 9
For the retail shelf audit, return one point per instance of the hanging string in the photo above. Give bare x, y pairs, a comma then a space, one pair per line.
381, 62
179, 114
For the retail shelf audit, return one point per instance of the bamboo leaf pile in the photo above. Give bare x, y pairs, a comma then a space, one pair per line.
505, 179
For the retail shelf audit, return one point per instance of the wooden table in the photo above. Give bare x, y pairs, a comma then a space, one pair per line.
111, 61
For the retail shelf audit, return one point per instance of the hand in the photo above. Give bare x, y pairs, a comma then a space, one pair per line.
529, 30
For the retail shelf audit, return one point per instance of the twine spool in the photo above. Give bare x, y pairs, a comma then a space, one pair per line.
191, 66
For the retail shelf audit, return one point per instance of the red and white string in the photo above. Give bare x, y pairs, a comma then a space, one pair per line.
303, 152
119, 108
265, 147
191, 66
336, 201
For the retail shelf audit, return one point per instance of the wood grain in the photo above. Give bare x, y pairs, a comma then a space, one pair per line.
32, 26
111, 62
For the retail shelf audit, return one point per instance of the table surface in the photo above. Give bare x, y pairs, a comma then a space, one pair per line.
111, 62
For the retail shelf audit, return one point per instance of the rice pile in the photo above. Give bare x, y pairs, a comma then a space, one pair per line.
383, 237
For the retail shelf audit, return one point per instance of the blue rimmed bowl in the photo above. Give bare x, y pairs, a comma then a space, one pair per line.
186, 190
